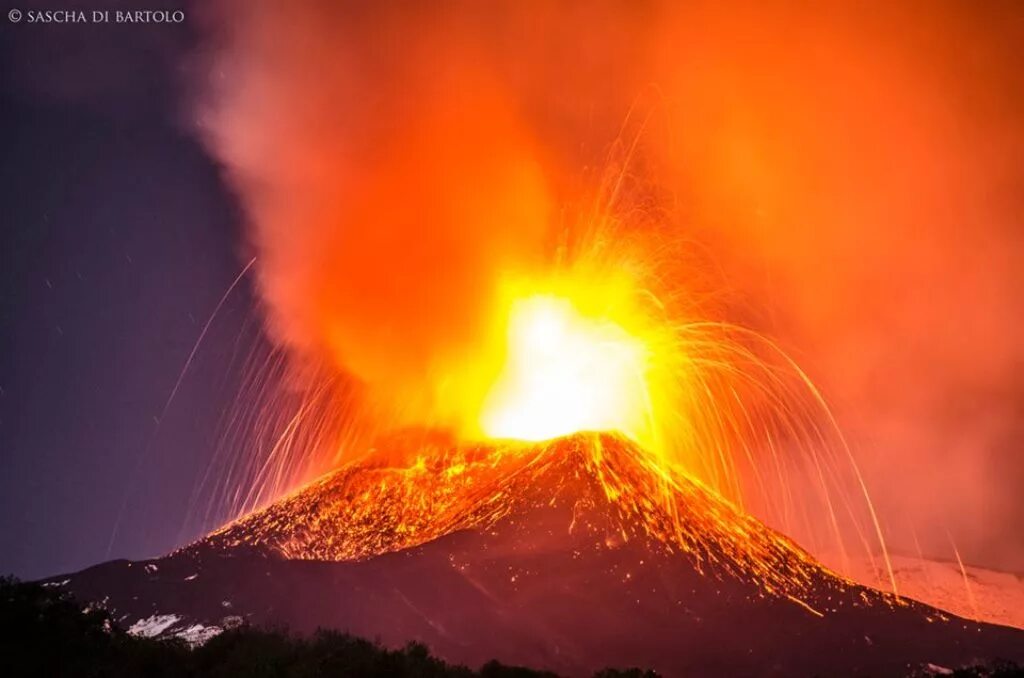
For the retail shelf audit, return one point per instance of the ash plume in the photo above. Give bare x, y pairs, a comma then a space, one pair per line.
853, 175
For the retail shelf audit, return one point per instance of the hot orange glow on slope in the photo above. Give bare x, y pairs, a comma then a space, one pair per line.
600, 491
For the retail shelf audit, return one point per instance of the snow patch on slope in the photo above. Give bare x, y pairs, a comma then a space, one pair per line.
164, 625
153, 626
197, 634
987, 595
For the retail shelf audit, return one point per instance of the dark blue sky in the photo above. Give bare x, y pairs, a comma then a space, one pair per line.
117, 240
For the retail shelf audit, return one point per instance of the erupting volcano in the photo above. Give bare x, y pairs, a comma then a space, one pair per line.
562, 472
525, 382
565, 478
564, 520
561, 521
572, 554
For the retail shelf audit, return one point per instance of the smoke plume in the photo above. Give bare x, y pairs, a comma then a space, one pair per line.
854, 175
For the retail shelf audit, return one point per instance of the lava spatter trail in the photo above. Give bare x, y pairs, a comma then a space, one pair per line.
572, 555
611, 490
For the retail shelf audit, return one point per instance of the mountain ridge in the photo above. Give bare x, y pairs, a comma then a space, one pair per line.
562, 557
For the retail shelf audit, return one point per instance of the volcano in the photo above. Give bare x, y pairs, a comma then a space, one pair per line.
571, 555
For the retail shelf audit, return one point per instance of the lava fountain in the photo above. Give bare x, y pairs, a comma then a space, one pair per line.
706, 422
448, 266
566, 372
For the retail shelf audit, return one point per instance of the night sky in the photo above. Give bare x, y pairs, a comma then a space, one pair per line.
117, 240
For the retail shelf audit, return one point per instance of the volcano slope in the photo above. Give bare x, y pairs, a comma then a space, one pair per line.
572, 555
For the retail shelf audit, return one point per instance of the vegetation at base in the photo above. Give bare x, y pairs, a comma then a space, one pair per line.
45, 632
996, 669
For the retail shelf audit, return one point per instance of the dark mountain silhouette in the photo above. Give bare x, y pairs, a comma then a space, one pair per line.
573, 555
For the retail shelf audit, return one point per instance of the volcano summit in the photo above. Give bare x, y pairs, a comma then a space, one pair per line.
573, 555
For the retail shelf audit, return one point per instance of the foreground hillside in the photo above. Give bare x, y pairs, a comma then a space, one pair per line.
569, 556
44, 632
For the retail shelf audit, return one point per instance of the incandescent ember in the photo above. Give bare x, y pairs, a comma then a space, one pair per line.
600, 490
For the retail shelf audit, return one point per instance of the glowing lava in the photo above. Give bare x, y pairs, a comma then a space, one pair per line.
567, 372
600, 340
